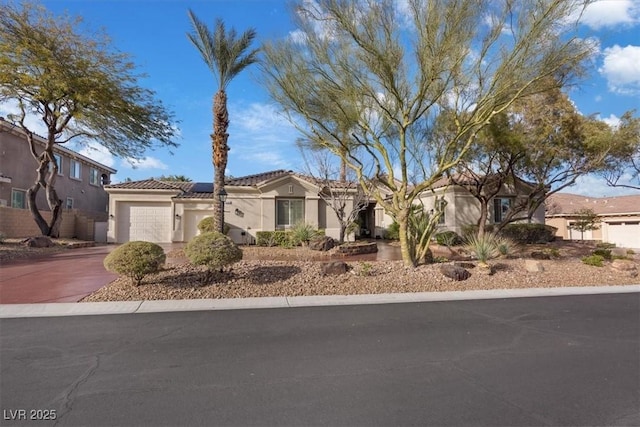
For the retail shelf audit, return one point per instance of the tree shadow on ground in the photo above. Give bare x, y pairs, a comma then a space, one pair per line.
271, 274
193, 277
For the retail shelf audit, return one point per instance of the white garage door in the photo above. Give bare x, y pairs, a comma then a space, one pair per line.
624, 234
191, 221
144, 221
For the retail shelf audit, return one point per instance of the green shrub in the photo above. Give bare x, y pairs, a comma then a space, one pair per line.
448, 238
206, 225
595, 260
505, 245
529, 233
301, 233
272, 238
630, 252
213, 250
135, 260
393, 231
472, 230
553, 252
605, 245
484, 248
604, 253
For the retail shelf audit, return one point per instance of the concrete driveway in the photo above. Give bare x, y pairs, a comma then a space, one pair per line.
64, 277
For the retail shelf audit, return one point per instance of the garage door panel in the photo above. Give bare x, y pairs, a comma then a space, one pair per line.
144, 221
624, 234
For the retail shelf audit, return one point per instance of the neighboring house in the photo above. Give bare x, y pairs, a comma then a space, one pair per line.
79, 184
463, 209
619, 216
162, 211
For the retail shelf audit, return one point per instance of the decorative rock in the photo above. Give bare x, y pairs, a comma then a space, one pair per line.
358, 248
334, 268
323, 243
533, 266
464, 264
485, 269
540, 255
454, 272
38, 242
625, 266
619, 251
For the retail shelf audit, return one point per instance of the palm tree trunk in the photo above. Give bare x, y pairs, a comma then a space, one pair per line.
220, 152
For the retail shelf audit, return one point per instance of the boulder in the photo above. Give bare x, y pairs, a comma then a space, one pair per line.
540, 255
618, 251
625, 266
454, 272
323, 243
334, 268
533, 266
38, 242
464, 264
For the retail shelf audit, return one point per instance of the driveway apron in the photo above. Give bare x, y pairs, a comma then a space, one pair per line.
64, 277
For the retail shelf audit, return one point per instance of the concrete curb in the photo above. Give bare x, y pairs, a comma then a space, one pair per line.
131, 307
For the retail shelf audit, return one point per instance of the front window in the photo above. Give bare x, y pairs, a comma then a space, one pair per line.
69, 204
94, 177
289, 212
18, 199
58, 160
501, 206
74, 169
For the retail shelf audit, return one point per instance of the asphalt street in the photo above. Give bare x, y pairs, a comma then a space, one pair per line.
571, 360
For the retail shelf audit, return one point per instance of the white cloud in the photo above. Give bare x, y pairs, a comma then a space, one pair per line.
97, 152
612, 120
32, 121
611, 13
596, 186
621, 68
144, 163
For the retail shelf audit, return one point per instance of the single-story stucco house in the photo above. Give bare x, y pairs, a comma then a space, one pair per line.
619, 218
463, 209
167, 211
163, 211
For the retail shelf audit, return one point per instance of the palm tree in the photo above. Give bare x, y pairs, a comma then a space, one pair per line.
226, 55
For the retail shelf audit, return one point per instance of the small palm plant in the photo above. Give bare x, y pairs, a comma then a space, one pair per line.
302, 232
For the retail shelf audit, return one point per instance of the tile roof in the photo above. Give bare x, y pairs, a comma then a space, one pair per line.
153, 184
566, 203
250, 180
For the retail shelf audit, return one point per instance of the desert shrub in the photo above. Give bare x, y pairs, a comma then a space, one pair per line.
605, 245
594, 260
272, 238
553, 252
630, 252
448, 238
529, 232
301, 233
505, 245
604, 253
135, 260
393, 231
206, 226
484, 248
213, 250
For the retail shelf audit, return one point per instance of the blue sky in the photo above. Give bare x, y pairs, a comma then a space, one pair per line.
154, 33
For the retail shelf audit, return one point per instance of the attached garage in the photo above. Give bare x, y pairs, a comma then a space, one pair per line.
149, 221
625, 234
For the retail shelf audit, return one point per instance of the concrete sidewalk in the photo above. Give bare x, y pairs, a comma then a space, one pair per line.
131, 307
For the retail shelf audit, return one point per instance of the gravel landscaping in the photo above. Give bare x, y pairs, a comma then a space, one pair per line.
296, 272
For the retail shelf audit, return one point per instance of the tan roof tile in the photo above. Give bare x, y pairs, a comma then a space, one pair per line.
566, 203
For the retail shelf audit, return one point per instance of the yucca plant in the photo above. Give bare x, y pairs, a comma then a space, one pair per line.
484, 247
